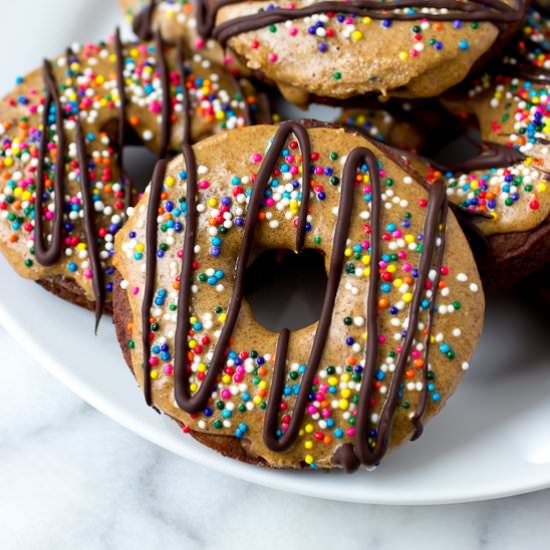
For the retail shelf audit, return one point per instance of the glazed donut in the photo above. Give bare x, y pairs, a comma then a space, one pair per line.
401, 314
336, 50
506, 187
63, 130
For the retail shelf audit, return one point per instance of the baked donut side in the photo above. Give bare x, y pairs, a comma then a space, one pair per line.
297, 398
64, 128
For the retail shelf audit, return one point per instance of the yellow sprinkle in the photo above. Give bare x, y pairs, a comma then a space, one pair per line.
365, 259
81, 246
154, 374
222, 317
391, 268
332, 380
169, 181
201, 367
213, 202
348, 252
409, 238
192, 344
367, 20
542, 187
407, 297
8, 161
100, 79
345, 377
262, 385
309, 428
356, 36
226, 379
308, 444
403, 56
140, 247
308, 459
257, 400
343, 404
397, 283
193, 387
346, 392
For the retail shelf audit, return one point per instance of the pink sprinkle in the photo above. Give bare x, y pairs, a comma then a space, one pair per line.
153, 361
169, 369
256, 157
293, 31
203, 184
273, 57
135, 290
226, 394
350, 432
200, 43
382, 339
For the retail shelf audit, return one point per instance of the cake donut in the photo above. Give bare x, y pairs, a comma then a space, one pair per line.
417, 48
505, 188
401, 313
63, 193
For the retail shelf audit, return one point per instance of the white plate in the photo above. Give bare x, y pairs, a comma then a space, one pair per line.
492, 440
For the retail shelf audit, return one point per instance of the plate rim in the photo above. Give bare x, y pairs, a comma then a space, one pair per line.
250, 473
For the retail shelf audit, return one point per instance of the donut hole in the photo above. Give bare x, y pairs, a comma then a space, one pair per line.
286, 290
139, 163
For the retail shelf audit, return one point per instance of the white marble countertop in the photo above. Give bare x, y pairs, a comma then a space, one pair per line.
72, 478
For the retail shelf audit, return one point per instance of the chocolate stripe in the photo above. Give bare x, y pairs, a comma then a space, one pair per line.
48, 256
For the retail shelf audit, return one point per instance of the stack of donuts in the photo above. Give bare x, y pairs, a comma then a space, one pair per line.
429, 190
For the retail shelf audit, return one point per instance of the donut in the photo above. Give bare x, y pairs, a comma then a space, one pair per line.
338, 393
416, 49
505, 188
63, 193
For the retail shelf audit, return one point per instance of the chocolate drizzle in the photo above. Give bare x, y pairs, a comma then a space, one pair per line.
493, 155
494, 11
50, 256
349, 456
142, 24
98, 279
44, 255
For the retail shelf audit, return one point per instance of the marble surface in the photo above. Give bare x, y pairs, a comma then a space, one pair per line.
72, 478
